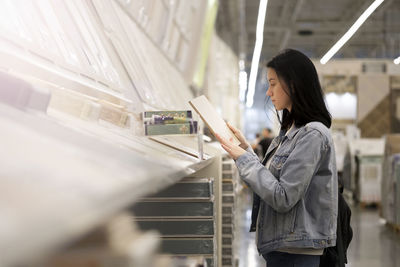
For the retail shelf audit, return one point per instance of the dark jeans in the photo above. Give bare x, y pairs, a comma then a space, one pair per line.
282, 259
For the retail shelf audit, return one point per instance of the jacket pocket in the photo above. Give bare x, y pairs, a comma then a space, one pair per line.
278, 161
285, 222
294, 217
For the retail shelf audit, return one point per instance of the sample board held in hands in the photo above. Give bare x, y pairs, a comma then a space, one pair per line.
211, 117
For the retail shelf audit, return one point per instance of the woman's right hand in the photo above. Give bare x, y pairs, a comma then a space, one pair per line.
243, 142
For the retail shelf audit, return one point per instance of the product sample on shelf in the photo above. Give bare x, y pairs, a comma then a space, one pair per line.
169, 122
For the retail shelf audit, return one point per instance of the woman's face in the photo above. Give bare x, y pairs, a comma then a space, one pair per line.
276, 92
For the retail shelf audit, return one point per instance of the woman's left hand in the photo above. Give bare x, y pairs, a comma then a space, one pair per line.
233, 150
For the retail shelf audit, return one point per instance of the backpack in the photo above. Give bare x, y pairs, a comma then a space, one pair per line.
337, 256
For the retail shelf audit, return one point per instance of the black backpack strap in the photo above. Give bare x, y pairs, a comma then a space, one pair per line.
337, 256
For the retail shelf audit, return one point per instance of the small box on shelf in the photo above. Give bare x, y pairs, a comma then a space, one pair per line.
169, 122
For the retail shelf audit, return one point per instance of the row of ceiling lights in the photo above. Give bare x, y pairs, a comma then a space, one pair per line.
259, 39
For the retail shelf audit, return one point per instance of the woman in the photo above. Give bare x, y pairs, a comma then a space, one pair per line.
295, 203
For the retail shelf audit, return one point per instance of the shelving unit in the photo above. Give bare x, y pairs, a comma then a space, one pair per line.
77, 160
184, 214
230, 179
65, 182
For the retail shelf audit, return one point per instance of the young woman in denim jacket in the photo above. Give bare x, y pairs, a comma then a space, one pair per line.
295, 186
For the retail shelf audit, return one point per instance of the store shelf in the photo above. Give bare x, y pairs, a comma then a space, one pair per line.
58, 182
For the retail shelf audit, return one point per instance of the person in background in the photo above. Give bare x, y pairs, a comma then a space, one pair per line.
255, 145
265, 141
295, 204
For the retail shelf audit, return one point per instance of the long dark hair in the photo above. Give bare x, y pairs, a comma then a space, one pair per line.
299, 75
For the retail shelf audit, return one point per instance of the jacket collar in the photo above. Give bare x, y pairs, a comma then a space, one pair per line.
293, 132
277, 140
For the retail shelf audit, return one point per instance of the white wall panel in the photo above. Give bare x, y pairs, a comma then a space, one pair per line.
372, 89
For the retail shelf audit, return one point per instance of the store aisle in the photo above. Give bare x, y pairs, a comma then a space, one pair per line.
373, 244
247, 253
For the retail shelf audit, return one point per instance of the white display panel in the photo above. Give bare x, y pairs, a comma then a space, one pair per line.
61, 42
135, 51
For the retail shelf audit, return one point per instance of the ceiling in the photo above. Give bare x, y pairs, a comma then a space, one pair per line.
311, 26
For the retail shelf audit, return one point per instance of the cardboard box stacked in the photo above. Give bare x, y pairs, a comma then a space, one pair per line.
391, 180
396, 174
368, 158
169, 122
370, 175
184, 214
229, 185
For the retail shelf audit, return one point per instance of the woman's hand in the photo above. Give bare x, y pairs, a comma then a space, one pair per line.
243, 143
234, 151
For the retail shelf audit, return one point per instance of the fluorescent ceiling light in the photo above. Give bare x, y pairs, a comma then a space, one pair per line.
242, 85
351, 31
397, 61
256, 53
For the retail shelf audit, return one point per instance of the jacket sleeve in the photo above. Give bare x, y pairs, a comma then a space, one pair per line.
295, 176
252, 153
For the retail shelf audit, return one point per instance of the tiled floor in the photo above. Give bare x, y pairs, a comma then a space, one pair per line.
373, 244
246, 246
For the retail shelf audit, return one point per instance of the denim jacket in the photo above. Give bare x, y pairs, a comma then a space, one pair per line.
298, 192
